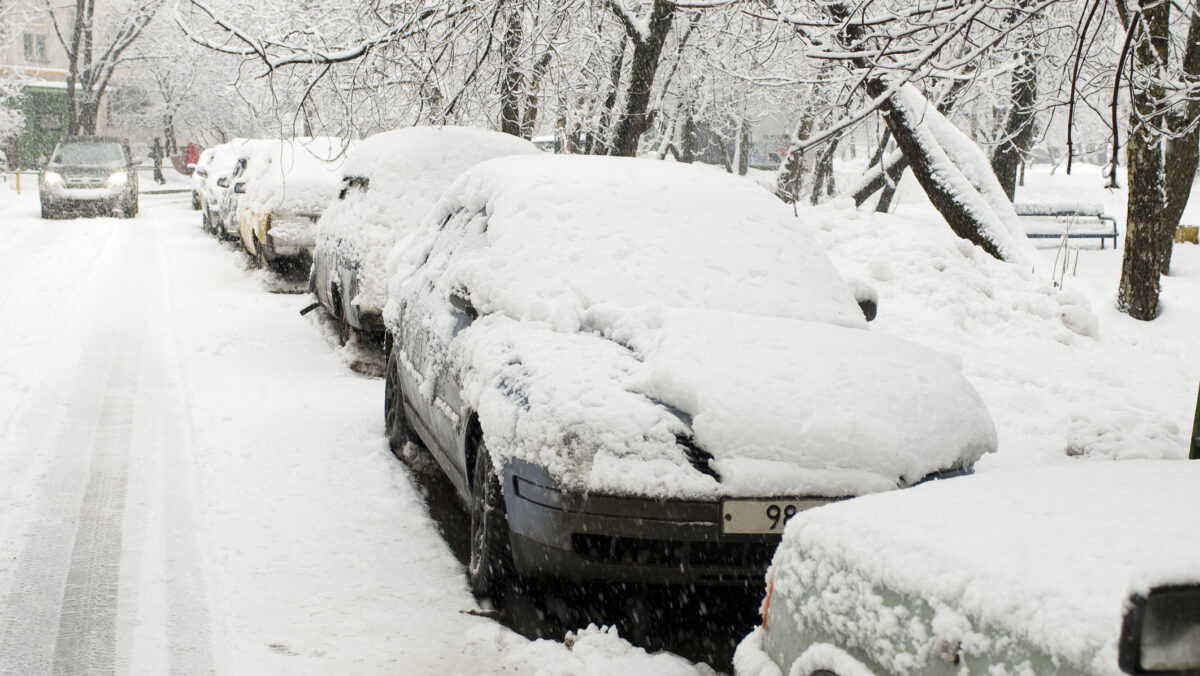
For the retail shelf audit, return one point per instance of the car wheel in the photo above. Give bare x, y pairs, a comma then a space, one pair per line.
394, 420
47, 212
195, 202
490, 566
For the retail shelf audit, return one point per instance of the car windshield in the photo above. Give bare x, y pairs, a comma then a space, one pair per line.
89, 153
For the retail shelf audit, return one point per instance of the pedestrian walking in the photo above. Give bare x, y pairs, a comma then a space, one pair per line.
156, 154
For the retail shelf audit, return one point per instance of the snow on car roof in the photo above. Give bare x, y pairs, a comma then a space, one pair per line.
300, 174
1048, 555
565, 233
407, 170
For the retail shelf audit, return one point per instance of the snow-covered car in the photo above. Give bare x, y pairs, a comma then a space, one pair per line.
89, 173
288, 183
199, 173
389, 183
639, 371
226, 184
1082, 568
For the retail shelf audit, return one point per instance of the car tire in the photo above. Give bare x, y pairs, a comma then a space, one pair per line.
394, 420
260, 255
490, 567
195, 202
47, 212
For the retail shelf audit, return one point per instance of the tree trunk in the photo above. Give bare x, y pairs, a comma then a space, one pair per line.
904, 123
1183, 153
1137, 295
646, 52
823, 171
791, 174
1018, 127
743, 148
510, 80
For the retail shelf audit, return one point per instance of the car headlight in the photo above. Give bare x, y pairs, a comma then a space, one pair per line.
117, 178
51, 178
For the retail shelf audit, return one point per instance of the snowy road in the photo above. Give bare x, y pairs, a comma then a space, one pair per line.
194, 482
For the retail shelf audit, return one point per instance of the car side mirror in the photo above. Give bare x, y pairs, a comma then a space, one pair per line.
239, 188
202, 173
459, 301
223, 181
1158, 634
866, 296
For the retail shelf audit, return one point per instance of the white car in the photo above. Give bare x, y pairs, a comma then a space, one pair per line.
1081, 568
389, 183
215, 179
635, 370
286, 184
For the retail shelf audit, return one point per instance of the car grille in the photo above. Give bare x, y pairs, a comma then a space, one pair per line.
755, 555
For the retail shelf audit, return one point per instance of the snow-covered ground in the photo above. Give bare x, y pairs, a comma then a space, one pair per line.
193, 482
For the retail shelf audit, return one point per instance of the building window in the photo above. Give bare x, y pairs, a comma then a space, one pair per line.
35, 48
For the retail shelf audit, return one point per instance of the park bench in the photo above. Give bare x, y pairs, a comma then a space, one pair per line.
1073, 220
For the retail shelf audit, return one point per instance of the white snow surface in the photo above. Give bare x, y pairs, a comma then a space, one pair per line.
1048, 556
696, 290
408, 170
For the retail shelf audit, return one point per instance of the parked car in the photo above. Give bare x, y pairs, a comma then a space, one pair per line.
389, 183
199, 171
288, 184
1083, 568
89, 173
231, 185
639, 371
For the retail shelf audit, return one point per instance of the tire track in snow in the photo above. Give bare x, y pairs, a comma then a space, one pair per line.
73, 604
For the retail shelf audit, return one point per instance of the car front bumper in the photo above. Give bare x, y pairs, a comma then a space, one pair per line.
625, 539
59, 195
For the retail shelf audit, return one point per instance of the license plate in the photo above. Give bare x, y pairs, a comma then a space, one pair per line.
749, 517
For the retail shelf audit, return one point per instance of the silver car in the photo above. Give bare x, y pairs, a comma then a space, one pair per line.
93, 174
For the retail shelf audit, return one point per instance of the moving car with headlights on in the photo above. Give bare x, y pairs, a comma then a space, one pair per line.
389, 183
94, 174
1081, 568
639, 371
286, 185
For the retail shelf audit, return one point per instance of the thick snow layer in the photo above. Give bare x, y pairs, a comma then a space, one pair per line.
407, 170
1061, 371
1046, 555
694, 306
298, 176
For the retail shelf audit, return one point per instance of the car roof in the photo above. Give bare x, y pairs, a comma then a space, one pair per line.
586, 230
1051, 552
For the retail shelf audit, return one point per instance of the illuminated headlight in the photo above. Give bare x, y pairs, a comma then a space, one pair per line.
117, 178
51, 178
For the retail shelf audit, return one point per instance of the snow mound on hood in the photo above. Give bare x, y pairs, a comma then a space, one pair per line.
407, 169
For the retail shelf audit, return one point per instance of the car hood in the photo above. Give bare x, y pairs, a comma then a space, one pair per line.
787, 406
783, 407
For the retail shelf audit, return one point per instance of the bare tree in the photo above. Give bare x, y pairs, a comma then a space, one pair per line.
94, 51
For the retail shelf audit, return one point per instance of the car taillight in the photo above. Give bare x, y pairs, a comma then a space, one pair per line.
766, 604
